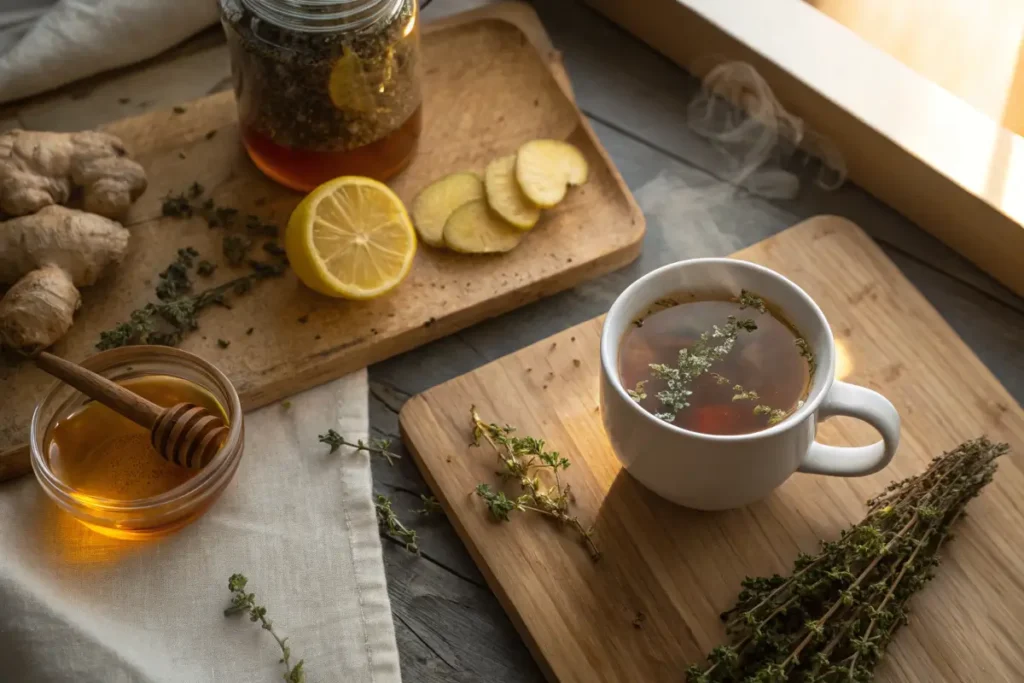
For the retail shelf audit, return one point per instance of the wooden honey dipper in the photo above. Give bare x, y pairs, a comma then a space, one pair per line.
185, 434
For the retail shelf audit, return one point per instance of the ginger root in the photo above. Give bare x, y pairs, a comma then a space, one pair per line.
46, 256
39, 169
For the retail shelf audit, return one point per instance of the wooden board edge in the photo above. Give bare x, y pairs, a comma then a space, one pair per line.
926, 195
414, 407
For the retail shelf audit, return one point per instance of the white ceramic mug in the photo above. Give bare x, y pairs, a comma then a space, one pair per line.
711, 472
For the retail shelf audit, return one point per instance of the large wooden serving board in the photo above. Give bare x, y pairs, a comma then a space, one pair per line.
489, 87
650, 606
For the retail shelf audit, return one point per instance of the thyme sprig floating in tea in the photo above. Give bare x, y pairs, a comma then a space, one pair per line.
245, 603
694, 361
832, 618
391, 525
378, 447
523, 459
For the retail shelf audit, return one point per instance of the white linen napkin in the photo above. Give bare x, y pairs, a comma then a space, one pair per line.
47, 43
299, 522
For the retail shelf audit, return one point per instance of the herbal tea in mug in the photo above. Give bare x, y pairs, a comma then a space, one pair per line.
716, 366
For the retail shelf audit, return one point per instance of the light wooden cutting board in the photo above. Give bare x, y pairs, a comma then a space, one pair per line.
491, 82
650, 606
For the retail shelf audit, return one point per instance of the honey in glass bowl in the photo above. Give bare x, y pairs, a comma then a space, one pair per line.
103, 454
101, 468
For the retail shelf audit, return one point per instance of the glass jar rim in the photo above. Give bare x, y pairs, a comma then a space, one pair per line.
320, 16
207, 478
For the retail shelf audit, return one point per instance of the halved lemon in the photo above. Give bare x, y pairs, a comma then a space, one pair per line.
351, 237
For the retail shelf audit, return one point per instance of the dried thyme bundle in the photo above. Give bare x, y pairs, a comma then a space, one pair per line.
832, 618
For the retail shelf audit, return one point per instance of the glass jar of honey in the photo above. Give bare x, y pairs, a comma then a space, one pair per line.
101, 468
325, 87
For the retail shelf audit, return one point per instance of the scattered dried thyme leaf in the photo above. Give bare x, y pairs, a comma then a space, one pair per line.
223, 343
179, 110
205, 268
177, 206
174, 280
236, 248
274, 249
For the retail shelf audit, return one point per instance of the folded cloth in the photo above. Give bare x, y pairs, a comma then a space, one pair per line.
45, 44
298, 521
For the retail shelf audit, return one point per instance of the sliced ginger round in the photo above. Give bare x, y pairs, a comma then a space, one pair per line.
505, 196
475, 228
435, 204
351, 237
545, 168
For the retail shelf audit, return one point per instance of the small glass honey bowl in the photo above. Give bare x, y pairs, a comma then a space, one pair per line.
101, 467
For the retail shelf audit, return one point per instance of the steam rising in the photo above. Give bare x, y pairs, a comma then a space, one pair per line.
739, 114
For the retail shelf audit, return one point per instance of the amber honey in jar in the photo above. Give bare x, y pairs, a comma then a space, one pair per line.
101, 453
325, 87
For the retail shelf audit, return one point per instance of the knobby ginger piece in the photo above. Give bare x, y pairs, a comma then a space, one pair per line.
46, 256
39, 169
38, 310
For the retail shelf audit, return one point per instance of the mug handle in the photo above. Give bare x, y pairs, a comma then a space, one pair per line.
855, 461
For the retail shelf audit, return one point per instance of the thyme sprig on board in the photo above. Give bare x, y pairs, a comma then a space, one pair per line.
245, 603
176, 312
524, 460
832, 618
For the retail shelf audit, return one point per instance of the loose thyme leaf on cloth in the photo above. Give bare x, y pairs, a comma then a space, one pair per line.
831, 619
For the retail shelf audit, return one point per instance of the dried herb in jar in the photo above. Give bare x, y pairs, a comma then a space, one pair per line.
313, 86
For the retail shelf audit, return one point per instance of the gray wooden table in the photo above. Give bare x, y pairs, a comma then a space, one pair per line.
449, 625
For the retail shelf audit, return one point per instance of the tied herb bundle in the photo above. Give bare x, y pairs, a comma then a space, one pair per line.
831, 620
